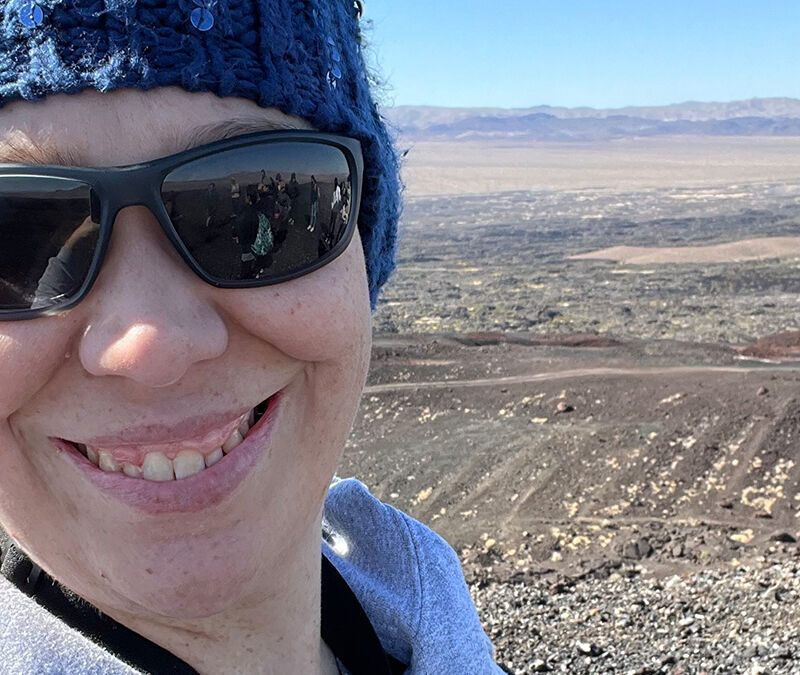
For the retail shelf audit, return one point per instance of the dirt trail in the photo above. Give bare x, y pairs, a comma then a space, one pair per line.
529, 458
564, 375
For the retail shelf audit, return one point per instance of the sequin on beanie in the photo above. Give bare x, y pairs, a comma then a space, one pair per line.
300, 56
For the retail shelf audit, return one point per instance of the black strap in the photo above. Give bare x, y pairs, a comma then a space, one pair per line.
127, 645
345, 626
347, 630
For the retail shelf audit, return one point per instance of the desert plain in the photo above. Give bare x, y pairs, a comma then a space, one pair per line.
586, 378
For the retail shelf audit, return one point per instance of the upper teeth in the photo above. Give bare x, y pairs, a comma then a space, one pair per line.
158, 467
234, 440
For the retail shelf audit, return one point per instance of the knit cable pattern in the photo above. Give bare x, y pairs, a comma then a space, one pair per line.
277, 53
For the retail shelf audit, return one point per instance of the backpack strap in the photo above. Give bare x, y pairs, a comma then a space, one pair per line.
125, 644
347, 630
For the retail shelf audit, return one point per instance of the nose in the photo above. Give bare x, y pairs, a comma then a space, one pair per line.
149, 318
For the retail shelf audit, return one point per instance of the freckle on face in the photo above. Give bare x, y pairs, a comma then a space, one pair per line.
320, 321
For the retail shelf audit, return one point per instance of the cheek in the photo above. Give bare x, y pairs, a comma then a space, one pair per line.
30, 352
43, 514
315, 318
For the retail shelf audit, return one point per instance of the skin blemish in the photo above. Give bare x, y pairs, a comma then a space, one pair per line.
71, 510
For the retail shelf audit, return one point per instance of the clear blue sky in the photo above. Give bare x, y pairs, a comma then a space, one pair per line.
602, 53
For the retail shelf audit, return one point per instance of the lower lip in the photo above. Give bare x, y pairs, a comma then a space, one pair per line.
201, 491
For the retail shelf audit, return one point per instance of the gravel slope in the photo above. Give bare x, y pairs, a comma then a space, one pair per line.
735, 620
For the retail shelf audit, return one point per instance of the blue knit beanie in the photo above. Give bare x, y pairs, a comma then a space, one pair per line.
300, 56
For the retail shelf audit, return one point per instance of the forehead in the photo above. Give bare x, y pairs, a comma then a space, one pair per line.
126, 126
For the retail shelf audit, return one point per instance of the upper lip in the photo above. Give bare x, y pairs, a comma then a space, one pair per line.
161, 432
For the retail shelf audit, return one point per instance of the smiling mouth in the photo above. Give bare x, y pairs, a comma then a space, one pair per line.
174, 461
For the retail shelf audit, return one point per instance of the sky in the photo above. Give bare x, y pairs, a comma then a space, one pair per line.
603, 53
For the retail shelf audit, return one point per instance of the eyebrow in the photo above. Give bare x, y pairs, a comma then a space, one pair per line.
208, 133
16, 151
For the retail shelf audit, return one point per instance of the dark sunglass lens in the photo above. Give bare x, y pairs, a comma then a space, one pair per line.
265, 211
47, 240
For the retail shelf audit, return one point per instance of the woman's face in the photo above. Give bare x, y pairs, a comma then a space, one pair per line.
155, 359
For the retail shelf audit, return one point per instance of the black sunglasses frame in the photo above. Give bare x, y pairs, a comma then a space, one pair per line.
140, 185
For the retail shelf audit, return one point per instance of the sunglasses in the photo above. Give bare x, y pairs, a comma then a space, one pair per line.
244, 212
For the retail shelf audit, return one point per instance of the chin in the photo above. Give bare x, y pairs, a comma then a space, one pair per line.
192, 578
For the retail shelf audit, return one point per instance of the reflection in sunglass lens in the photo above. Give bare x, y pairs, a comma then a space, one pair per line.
47, 240
264, 211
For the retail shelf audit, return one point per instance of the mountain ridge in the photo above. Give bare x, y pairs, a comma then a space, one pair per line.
757, 116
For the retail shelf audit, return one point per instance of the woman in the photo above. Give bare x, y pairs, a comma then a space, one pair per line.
171, 425
312, 221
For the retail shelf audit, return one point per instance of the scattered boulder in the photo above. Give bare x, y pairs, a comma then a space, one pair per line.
629, 550
547, 314
783, 538
637, 549
589, 648
644, 547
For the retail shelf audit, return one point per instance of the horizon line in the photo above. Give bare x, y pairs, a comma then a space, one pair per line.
592, 107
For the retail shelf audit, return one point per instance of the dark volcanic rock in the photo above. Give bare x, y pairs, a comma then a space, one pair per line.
783, 537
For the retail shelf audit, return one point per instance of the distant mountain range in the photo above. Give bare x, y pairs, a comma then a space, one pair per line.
753, 117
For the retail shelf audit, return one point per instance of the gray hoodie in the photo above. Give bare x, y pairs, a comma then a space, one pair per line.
406, 577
